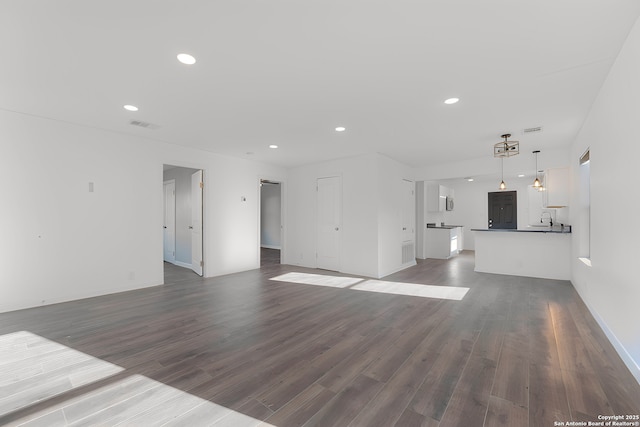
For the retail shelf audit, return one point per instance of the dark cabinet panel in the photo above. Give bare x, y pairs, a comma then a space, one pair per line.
503, 210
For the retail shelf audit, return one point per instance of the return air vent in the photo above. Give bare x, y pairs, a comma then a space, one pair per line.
408, 252
532, 130
145, 125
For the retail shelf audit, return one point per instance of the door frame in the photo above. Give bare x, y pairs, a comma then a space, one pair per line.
201, 189
164, 206
205, 199
316, 219
282, 216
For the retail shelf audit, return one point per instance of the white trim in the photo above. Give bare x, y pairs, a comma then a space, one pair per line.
171, 181
395, 270
283, 188
205, 200
271, 247
617, 345
182, 264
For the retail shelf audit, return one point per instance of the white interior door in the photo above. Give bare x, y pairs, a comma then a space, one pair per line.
408, 210
197, 184
329, 227
169, 226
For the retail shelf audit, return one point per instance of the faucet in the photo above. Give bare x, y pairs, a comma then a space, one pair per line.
550, 218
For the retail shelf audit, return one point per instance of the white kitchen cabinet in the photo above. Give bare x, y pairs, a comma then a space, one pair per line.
443, 243
437, 197
556, 188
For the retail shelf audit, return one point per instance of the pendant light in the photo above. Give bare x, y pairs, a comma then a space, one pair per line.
504, 149
537, 184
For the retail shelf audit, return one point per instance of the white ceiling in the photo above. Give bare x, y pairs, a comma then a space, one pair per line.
289, 72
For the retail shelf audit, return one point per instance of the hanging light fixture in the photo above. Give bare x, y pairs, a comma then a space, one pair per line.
506, 148
537, 184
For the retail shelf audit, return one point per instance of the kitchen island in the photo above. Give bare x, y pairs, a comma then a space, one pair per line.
443, 241
532, 252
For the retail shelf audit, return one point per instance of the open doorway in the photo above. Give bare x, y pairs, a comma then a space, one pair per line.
270, 222
183, 223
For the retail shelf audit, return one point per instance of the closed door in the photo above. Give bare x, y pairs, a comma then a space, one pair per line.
169, 224
503, 210
197, 185
408, 210
329, 223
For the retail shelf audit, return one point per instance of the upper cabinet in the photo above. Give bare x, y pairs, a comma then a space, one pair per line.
437, 197
556, 183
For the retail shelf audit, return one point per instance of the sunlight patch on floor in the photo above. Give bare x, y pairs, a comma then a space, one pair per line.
359, 284
413, 289
318, 279
34, 369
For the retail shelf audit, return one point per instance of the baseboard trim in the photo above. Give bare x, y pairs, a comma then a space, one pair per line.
615, 342
179, 263
271, 247
182, 264
395, 270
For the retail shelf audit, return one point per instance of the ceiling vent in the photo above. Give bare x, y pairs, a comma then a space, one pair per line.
145, 125
532, 130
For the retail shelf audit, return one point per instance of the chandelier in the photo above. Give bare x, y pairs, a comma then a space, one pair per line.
506, 148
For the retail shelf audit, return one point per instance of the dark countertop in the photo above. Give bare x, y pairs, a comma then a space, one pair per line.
555, 229
444, 227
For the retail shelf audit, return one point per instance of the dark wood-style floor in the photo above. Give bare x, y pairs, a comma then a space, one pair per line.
269, 256
242, 349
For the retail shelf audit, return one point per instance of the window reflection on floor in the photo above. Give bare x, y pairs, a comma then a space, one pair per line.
34, 369
359, 284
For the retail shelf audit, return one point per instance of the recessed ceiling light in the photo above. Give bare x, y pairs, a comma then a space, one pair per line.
521, 175
451, 100
273, 146
130, 107
341, 129
469, 179
187, 59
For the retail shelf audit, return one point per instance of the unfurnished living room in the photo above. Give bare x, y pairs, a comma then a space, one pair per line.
336, 213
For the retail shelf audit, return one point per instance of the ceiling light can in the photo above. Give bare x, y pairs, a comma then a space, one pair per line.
340, 129
130, 107
186, 59
451, 101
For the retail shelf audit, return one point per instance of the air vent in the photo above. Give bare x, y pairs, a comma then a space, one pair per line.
145, 125
532, 130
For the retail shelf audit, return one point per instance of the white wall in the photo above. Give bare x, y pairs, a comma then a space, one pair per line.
182, 176
270, 215
371, 202
359, 239
60, 242
390, 203
611, 286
